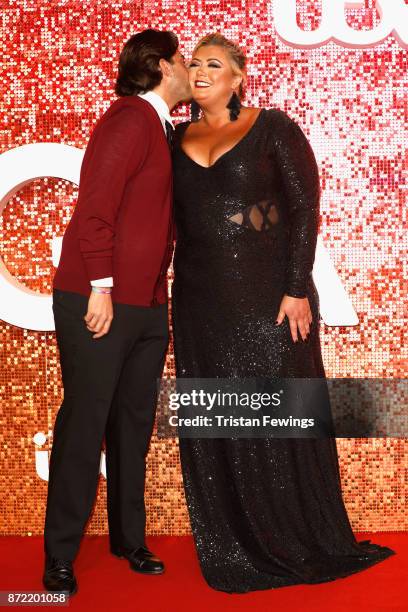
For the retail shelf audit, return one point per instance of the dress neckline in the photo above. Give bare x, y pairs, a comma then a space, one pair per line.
236, 145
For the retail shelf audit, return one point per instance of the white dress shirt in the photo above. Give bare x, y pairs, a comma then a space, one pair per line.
162, 109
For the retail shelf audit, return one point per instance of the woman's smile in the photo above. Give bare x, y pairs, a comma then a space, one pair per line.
200, 83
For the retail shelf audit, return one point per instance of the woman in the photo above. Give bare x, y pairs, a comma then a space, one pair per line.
264, 512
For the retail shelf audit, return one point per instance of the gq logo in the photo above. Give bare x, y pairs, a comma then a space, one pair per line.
28, 309
333, 26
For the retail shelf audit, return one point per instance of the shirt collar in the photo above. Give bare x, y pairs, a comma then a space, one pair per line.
159, 105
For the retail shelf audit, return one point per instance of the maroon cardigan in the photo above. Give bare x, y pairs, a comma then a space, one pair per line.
122, 225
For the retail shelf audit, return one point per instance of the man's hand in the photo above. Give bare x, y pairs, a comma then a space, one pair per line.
299, 314
100, 313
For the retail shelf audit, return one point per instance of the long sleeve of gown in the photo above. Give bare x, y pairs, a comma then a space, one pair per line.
300, 186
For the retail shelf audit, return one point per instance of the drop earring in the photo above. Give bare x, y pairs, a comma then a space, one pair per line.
234, 106
195, 111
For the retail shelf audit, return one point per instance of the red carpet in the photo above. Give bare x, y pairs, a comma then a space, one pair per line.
107, 583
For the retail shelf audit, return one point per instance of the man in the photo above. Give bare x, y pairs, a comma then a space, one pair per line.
110, 311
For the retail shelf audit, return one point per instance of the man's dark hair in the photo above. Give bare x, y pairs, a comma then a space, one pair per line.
139, 69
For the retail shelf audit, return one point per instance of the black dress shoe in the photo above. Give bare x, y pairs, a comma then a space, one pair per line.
141, 560
59, 576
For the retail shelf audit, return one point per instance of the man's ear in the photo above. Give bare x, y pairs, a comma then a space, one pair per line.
165, 67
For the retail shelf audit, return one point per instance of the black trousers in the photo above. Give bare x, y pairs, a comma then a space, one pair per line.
110, 389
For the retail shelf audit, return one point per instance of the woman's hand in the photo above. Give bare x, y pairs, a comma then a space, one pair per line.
100, 313
299, 314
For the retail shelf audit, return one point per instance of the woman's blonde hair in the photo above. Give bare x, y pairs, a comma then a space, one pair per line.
238, 59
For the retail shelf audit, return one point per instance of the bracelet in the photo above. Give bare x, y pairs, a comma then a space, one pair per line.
101, 289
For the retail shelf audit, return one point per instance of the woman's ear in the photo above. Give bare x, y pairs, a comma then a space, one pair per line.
238, 79
244, 79
236, 82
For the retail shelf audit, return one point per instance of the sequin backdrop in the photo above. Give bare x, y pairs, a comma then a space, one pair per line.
57, 78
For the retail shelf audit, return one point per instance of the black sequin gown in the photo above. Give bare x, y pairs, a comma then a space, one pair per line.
264, 513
